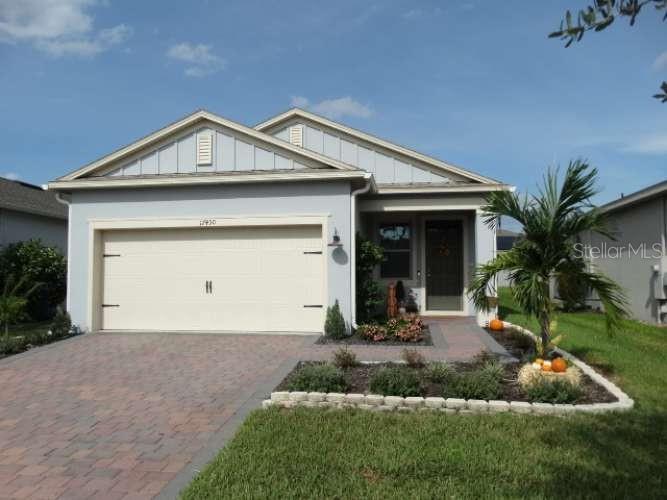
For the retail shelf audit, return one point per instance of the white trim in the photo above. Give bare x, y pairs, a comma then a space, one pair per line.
464, 223
267, 125
198, 179
634, 198
443, 188
97, 226
191, 120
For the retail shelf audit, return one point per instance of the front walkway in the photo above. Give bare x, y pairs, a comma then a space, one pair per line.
134, 415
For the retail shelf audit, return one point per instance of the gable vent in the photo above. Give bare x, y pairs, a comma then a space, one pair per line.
296, 135
204, 149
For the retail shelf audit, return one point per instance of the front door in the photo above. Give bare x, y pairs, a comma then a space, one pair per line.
444, 265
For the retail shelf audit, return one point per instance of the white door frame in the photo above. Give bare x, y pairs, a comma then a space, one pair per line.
97, 226
446, 217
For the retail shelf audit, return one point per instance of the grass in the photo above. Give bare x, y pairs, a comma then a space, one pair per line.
351, 454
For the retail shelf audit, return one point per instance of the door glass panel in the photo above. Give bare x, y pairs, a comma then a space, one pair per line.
444, 265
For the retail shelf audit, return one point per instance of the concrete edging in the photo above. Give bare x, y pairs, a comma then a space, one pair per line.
376, 402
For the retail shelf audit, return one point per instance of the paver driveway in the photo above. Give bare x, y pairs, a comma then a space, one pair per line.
134, 415
114, 416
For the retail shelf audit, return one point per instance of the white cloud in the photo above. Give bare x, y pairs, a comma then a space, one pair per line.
83, 47
12, 176
660, 62
58, 27
655, 144
335, 108
199, 58
299, 101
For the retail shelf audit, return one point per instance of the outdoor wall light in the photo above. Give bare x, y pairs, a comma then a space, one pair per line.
335, 241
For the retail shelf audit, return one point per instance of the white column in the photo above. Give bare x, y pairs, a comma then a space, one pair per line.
485, 250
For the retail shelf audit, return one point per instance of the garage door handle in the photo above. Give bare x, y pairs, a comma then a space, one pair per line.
312, 305
110, 305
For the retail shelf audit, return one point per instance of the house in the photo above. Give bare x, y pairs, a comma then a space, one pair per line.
505, 240
30, 212
209, 225
636, 258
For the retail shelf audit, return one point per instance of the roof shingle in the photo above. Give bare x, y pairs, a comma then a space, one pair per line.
23, 197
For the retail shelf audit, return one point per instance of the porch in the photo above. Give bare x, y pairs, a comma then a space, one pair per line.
432, 246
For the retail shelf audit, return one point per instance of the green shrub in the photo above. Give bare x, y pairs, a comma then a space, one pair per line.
483, 383
369, 293
553, 391
12, 345
395, 381
61, 324
413, 358
438, 372
334, 326
344, 358
37, 263
318, 378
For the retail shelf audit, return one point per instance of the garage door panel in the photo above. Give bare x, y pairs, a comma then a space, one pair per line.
261, 279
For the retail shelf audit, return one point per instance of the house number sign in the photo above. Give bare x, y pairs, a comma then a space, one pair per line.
207, 222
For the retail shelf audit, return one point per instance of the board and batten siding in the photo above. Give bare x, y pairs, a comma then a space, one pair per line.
229, 154
387, 168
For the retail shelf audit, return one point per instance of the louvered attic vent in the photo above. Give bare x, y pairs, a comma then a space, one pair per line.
296, 135
204, 149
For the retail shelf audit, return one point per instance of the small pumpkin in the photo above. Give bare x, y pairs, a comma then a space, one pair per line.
546, 366
537, 366
539, 361
559, 365
497, 325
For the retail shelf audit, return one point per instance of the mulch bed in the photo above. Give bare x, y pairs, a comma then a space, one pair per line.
358, 381
355, 339
517, 344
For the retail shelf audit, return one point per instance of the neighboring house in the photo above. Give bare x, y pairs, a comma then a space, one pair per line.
505, 240
636, 259
209, 225
29, 212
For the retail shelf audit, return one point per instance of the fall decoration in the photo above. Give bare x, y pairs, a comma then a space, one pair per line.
496, 325
559, 365
546, 366
529, 376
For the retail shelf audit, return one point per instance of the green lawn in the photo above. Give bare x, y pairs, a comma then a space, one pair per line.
352, 454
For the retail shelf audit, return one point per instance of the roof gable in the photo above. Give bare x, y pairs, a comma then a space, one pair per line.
390, 163
171, 150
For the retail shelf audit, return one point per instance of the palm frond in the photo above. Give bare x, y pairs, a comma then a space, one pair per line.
612, 297
483, 282
505, 203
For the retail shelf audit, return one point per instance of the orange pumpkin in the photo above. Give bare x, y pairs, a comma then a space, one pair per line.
559, 365
496, 325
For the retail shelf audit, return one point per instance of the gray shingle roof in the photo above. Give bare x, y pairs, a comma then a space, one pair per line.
24, 197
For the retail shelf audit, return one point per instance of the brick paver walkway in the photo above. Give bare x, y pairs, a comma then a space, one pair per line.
120, 415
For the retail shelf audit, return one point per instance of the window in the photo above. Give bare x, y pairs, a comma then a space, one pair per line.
395, 239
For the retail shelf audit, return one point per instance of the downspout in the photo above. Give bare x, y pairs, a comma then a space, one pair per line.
353, 245
65, 202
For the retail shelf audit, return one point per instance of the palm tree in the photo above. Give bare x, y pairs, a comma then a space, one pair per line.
551, 223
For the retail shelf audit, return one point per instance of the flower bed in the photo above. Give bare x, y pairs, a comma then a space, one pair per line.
408, 329
483, 385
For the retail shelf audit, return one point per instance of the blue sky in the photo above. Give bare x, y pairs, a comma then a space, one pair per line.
476, 83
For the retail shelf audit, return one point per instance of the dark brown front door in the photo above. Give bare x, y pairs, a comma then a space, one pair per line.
444, 265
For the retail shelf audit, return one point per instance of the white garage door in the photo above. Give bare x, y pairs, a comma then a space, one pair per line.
253, 279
